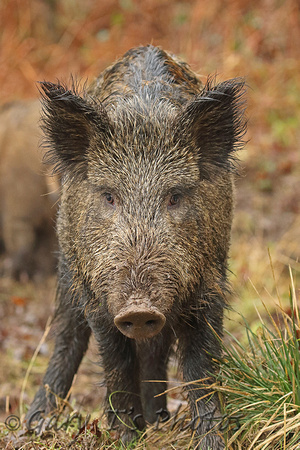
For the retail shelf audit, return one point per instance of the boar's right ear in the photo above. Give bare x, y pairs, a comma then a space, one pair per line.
69, 122
215, 121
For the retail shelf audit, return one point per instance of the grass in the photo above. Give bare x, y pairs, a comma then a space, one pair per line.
260, 381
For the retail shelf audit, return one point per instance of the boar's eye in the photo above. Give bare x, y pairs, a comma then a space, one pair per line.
174, 200
109, 199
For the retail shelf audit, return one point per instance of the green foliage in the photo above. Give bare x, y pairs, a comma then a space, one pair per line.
283, 127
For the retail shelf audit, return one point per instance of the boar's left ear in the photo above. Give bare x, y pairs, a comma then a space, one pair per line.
215, 121
69, 122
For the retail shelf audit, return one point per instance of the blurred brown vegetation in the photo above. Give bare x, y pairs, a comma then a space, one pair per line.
50, 39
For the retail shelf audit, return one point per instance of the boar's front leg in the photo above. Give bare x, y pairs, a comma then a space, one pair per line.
72, 337
121, 367
153, 357
199, 345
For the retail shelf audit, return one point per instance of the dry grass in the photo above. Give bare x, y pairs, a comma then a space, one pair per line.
261, 380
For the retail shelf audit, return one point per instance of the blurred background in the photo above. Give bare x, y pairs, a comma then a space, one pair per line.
51, 39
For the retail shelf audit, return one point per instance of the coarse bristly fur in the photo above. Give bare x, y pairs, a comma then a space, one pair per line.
146, 156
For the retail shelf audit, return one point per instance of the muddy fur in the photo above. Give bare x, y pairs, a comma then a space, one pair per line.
146, 155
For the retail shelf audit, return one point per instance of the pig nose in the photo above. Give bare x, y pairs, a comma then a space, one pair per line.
140, 323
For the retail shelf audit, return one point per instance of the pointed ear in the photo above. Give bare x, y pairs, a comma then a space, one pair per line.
215, 121
69, 123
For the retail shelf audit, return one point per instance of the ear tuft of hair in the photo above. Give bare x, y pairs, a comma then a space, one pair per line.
216, 122
69, 122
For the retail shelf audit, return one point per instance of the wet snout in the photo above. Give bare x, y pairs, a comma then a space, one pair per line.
138, 322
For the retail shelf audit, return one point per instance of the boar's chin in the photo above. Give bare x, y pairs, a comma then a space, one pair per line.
140, 322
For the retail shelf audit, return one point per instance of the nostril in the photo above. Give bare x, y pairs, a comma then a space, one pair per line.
151, 322
127, 324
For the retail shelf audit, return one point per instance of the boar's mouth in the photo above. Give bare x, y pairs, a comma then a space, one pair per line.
138, 322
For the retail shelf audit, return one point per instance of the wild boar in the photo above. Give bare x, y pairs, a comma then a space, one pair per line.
146, 156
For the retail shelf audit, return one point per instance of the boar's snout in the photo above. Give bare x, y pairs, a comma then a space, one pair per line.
140, 322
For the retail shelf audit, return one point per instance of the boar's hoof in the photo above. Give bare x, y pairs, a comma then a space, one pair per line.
140, 323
